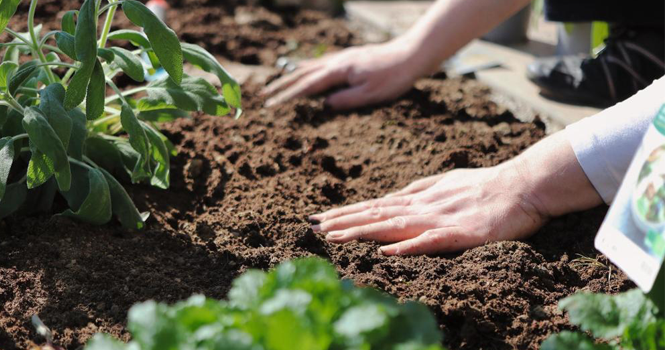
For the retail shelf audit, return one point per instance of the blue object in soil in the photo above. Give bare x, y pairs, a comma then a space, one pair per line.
159, 73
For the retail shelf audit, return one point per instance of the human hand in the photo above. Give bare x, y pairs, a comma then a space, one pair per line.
457, 210
374, 73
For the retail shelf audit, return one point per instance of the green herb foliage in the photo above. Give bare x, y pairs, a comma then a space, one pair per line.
625, 321
60, 133
299, 305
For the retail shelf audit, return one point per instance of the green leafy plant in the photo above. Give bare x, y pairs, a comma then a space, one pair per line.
624, 321
61, 133
299, 305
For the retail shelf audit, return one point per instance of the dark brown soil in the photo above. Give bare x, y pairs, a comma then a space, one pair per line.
241, 191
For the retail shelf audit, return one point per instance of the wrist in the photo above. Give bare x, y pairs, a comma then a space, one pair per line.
552, 179
417, 60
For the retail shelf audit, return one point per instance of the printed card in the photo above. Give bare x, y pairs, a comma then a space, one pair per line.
633, 233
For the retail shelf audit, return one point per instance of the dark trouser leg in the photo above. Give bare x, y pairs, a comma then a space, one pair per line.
628, 12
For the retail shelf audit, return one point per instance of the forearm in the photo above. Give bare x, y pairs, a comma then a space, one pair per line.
554, 182
450, 24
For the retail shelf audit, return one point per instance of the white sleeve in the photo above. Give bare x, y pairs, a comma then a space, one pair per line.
605, 143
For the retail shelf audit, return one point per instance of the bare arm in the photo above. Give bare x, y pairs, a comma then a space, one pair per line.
451, 24
376, 73
465, 208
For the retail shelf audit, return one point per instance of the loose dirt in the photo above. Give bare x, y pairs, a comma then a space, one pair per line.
241, 190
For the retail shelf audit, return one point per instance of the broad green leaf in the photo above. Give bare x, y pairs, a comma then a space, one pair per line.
128, 155
68, 22
86, 53
52, 57
51, 106
129, 63
573, 341
79, 134
139, 141
204, 60
645, 337
6, 159
104, 342
366, 318
163, 115
6, 70
161, 156
104, 153
106, 54
12, 54
152, 327
46, 140
154, 61
25, 72
193, 94
607, 316
40, 168
13, 124
169, 145
80, 187
96, 208
122, 205
4, 114
137, 39
67, 43
163, 40
86, 32
13, 199
402, 329
94, 102
7, 10
245, 292
44, 200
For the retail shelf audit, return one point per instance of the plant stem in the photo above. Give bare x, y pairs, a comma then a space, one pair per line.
54, 49
18, 36
13, 44
57, 64
121, 95
90, 161
19, 137
12, 103
101, 121
46, 37
65, 79
78, 162
35, 42
111, 4
117, 91
27, 89
108, 22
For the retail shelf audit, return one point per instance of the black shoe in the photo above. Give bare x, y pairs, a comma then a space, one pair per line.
631, 60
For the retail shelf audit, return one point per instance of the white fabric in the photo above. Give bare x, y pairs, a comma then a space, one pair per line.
606, 142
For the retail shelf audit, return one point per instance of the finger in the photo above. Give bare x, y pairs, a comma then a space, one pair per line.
417, 186
311, 84
358, 207
366, 217
438, 240
394, 229
353, 97
288, 79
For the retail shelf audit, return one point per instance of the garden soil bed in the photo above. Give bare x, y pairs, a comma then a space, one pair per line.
242, 189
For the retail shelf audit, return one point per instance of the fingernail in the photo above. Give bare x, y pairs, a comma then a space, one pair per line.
387, 250
316, 228
334, 236
313, 220
270, 102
